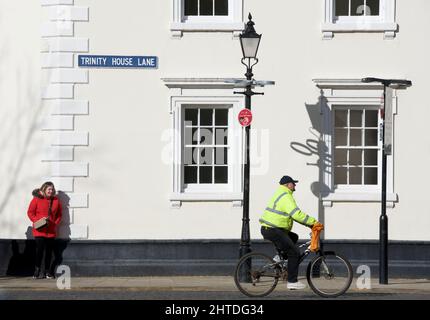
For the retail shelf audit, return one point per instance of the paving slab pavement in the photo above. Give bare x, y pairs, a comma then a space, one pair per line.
189, 283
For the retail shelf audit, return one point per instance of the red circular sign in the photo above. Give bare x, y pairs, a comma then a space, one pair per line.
245, 117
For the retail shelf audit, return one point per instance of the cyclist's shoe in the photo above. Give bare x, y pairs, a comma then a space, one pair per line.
50, 275
295, 285
277, 258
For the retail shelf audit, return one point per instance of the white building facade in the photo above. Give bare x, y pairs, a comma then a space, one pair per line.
156, 153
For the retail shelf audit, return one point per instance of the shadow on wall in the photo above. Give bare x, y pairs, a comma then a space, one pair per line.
315, 146
21, 264
66, 220
20, 120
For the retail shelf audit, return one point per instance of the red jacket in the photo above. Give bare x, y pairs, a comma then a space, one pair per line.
39, 208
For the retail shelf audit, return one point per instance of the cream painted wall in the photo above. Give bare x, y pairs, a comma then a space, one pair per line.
129, 185
21, 113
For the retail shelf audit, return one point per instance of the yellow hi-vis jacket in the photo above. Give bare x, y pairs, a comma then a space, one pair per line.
282, 210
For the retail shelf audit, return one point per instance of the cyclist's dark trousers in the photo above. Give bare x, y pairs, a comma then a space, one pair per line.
286, 242
44, 245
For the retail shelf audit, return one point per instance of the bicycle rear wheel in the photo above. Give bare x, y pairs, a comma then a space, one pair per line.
329, 275
256, 274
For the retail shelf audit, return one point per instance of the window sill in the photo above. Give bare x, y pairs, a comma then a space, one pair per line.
389, 29
178, 28
358, 197
176, 199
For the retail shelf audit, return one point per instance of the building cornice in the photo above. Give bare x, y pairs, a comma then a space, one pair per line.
200, 83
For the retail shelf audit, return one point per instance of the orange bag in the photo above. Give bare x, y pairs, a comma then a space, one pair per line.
316, 230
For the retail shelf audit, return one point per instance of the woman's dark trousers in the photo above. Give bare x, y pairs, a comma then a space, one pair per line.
285, 241
44, 245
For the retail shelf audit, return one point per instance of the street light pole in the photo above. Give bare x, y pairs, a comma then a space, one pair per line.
383, 219
245, 240
245, 245
249, 40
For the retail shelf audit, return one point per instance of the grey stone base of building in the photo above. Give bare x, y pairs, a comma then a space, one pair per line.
407, 259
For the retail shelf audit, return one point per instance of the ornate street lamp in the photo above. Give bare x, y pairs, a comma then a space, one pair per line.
249, 41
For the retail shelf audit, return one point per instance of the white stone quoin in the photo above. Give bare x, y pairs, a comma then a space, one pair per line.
58, 123
55, 153
57, 60
58, 28
68, 13
78, 200
65, 75
69, 169
55, 2
64, 107
74, 138
58, 46
79, 231
57, 91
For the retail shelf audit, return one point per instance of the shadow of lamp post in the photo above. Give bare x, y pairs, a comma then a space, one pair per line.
386, 150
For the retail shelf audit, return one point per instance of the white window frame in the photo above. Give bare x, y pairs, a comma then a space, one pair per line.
359, 188
231, 23
210, 93
354, 93
213, 187
385, 22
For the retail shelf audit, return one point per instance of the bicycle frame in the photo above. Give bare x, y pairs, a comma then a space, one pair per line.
318, 252
305, 253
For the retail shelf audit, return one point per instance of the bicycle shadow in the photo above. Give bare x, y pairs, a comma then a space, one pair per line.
316, 147
281, 292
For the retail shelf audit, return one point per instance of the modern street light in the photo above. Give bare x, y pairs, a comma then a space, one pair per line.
383, 219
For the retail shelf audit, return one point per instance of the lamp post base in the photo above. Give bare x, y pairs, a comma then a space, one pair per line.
383, 251
244, 249
244, 272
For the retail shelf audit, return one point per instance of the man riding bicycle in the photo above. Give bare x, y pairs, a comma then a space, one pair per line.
277, 222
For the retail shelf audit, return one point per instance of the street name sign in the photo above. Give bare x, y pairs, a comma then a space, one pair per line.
99, 61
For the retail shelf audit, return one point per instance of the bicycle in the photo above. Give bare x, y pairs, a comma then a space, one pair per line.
328, 274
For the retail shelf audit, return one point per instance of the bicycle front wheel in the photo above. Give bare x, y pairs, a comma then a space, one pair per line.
329, 275
256, 274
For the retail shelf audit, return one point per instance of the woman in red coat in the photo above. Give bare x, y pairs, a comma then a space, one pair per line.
43, 199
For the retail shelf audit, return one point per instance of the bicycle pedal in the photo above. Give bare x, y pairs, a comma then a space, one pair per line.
284, 275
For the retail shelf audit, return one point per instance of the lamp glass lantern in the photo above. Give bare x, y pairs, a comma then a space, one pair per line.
250, 40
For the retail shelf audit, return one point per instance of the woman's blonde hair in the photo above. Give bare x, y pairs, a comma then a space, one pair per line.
45, 186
